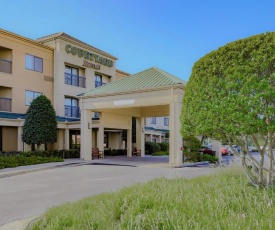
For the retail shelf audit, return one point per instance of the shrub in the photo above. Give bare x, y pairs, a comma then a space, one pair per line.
64, 153
211, 159
161, 153
151, 147
108, 152
15, 161
192, 156
121, 152
192, 144
164, 146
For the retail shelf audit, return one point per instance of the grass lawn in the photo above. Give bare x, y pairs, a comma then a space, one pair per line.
224, 200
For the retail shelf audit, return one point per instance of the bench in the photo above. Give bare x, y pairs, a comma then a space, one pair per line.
136, 152
97, 153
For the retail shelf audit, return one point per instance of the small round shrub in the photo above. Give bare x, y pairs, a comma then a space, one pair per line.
164, 146
192, 156
211, 159
151, 147
192, 143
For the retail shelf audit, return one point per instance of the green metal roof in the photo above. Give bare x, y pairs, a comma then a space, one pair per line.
150, 78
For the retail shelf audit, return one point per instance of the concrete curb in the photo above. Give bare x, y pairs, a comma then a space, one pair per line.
19, 224
24, 171
193, 164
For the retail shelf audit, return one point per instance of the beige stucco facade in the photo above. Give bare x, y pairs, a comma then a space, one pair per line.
70, 68
14, 83
16, 80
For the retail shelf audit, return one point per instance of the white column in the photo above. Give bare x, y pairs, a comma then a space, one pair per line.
150, 137
86, 135
19, 138
100, 138
175, 152
129, 142
138, 132
217, 147
159, 138
66, 139
142, 137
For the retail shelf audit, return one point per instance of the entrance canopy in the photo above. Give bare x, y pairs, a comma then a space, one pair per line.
150, 93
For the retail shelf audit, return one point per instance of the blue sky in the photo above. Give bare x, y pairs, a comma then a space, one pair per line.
170, 35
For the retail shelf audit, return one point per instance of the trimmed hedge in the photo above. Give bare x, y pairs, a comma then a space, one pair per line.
161, 153
164, 146
64, 153
151, 147
15, 161
197, 157
211, 159
115, 152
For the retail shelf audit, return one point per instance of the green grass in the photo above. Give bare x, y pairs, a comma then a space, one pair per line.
224, 200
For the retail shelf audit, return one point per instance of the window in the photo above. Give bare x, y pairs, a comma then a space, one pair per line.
166, 121
71, 107
72, 77
34, 63
30, 96
98, 81
96, 115
153, 120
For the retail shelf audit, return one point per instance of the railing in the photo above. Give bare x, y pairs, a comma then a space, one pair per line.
99, 83
75, 80
71, 111
74, 146
5, 66
5, 104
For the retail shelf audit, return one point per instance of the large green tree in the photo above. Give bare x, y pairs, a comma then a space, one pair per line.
231, 97
40, 125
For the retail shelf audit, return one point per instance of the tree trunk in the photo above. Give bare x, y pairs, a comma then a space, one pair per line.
33, 147
270, 160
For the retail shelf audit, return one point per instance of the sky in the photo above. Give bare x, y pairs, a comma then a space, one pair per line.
169, 34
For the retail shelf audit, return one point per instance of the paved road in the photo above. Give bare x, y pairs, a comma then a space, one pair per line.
31, 194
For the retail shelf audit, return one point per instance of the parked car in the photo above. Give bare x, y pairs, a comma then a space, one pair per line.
206, 150
225, 151
237, 148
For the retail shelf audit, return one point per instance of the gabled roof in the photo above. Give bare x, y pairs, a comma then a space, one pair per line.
24, 39
71, 39
147, 79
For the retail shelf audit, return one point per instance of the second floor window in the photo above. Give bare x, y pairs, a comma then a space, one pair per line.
30, 96
71, 107
153, 120
166, 121
34, 63
98, 81
72, 77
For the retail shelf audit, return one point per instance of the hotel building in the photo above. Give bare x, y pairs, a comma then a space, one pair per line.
69, 72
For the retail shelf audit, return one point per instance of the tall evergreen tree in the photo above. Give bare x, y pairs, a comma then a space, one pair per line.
40, 125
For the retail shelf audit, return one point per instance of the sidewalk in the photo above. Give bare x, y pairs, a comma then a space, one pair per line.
7, 172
